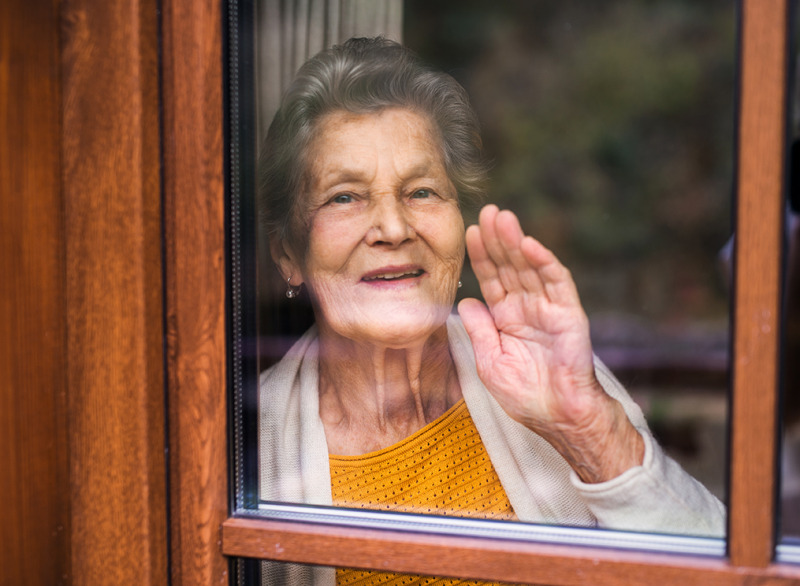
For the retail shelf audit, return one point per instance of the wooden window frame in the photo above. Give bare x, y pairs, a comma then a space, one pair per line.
202, 534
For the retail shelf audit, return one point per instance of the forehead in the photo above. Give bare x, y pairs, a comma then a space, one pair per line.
343, 139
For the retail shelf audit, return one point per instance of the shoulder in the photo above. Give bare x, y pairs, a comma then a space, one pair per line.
301, 350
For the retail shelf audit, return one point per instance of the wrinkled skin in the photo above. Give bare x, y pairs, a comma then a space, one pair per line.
385, 247
533, 350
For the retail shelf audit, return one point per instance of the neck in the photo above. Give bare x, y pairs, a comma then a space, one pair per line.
372, 396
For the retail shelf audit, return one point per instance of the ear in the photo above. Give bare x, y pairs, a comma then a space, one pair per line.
286, 260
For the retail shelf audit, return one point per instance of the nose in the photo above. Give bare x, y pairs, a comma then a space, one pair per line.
390, 222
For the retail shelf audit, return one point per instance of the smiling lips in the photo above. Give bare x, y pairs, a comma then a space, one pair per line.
393, 274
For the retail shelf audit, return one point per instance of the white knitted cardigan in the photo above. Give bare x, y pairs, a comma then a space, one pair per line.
658, 496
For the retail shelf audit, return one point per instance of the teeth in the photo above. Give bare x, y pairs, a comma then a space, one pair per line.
393, 276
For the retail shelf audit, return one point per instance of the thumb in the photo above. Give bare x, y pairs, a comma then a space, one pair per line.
481, 329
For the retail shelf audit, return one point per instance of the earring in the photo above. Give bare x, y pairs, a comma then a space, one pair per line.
459, 284
292, 292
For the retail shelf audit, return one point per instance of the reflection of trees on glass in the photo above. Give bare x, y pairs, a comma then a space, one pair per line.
611, 130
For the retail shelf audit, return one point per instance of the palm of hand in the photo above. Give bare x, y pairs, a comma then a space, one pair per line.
532, 343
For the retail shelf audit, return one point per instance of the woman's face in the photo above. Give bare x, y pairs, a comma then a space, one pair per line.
386, 236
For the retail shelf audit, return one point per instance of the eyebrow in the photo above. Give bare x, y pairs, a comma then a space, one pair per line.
346, 175
336, 177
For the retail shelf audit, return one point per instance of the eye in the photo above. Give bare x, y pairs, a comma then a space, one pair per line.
342, 198
422, 194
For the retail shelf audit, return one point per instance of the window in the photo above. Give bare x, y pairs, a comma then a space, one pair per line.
789, 519
628, 180
197, 356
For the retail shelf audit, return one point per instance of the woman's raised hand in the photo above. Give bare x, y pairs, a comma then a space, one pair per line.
533, 350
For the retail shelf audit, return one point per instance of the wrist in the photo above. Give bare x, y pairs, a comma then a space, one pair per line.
604, 449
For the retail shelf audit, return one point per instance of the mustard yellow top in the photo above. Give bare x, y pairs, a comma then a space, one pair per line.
442, 469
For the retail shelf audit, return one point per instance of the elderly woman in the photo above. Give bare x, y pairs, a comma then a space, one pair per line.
393, 402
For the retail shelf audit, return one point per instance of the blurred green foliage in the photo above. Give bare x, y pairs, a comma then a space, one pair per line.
610, 126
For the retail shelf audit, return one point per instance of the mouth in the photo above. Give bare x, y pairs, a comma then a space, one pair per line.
393, 274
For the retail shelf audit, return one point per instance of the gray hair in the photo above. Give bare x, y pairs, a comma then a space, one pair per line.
363, 75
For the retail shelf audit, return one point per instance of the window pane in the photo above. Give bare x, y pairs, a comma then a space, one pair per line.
790, 463
284, 573
610, 132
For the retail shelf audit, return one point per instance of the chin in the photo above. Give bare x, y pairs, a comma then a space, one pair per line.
399, 329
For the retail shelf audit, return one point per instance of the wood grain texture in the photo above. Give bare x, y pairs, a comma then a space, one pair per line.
762, 128
114, 291
478, 558
34, 505
195, 285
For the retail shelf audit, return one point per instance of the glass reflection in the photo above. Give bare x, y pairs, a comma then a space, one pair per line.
611, 129
610, 133
790, 375
790, 486
357, 576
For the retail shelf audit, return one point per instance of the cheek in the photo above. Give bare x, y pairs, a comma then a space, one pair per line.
456, 246
446, 236
459, 243
330, 243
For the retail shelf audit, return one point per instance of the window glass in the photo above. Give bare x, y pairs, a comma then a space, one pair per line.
790, 463
609, 130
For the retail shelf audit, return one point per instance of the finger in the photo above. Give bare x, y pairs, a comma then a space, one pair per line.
538, 269
483, 262
491, 234
482, 331
511, 238
484, 267
556, 279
